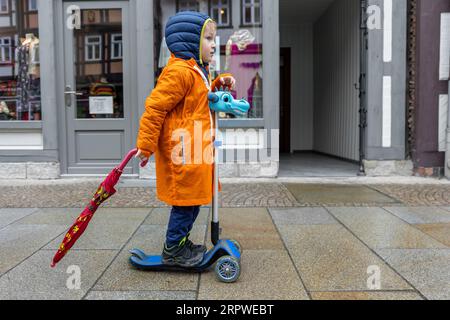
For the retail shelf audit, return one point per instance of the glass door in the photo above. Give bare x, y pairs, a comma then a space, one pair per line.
97, 93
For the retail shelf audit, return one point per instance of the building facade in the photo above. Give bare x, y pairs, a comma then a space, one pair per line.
430, 59
329, 77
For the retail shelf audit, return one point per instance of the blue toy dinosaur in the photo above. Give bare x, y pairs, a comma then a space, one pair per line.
223, 101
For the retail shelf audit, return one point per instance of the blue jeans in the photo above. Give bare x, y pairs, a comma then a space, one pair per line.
180, 223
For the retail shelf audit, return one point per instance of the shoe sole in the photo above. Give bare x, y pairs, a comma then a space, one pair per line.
175, 263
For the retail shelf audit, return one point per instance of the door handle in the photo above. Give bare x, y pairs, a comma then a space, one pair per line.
74, 93
68, 95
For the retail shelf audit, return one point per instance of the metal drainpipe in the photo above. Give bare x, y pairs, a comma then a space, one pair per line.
363, 86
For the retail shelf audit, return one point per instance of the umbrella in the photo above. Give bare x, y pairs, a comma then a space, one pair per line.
104, 192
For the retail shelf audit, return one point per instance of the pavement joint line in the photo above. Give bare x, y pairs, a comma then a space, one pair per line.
31, 213
376, 254
373, 188
205, 239
36, 251
365, 291
115, 257
290, 256
103, 290
415, 227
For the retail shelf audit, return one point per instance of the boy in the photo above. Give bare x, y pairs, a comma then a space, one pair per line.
178, 109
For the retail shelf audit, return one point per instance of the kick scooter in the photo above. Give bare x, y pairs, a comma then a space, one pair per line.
226, 254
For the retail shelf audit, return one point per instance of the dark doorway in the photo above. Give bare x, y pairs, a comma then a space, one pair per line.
285, 100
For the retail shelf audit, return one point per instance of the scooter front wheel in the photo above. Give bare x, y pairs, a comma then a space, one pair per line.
228, 269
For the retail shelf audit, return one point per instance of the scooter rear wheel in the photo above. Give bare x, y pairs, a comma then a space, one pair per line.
228, 269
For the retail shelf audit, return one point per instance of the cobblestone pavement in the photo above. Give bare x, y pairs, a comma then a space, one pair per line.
233, 195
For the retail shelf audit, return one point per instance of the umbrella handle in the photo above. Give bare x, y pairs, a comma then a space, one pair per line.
127, 159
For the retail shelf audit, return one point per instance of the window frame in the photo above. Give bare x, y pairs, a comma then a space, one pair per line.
230, 13
87, 44
253, 23
120, 43
31, 8
8, 9
178, 5
3, 49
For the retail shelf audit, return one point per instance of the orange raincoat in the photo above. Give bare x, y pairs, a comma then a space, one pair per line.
178, 127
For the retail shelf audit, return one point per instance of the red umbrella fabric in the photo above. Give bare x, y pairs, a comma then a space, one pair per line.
104, 192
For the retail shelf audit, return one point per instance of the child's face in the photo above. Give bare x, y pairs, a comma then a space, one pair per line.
208, 43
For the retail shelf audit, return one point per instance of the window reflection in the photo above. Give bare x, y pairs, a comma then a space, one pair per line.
20, 84
98, 53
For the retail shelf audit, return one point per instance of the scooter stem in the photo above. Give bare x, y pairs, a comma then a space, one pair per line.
215, 208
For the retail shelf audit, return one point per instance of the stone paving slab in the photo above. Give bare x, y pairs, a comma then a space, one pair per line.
18, 242
329, 258
379, 229
121, 276
427, 270
160, 216
109, 228
265, 275
338, 195
34, 279
141, 295
52, 216
440, 231
366, 295
8, 216
106, 231
299, 216
421, 215
253, 228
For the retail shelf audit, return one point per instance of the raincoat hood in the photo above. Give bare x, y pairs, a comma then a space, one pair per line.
184, 33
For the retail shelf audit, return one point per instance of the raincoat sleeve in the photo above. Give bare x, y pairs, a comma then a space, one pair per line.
216, 83
172, 87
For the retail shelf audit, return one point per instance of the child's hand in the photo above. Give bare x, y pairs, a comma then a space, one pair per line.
144, 159
228, 81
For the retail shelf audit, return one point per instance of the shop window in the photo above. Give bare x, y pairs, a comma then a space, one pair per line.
93, 48
251, 12
20, 85
239, 53
5, 50
116, 46
4, 6
187, 5
220, 11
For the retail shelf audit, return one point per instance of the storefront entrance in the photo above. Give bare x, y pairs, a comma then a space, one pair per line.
319, 72
97, 101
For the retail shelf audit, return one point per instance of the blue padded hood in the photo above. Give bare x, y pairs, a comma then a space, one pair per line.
183, 35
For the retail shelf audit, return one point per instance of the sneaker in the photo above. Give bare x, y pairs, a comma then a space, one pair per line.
181, 255
195, 247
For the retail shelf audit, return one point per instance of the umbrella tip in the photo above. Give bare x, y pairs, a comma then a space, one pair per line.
52, 265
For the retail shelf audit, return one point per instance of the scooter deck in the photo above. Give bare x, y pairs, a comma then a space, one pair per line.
154, 263
145, 262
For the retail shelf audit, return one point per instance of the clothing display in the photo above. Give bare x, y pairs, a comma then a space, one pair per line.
102, 89
255, 98
244, 65
28, 89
